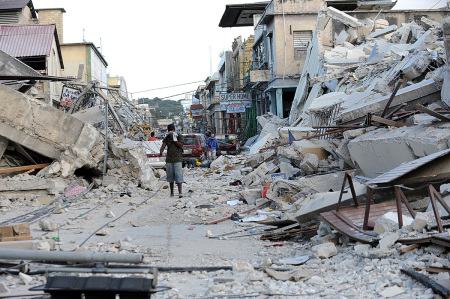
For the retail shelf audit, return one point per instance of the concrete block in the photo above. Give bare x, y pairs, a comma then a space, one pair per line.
383, 225
239, 267
361, 248
389, 222
392, 292
388, 240
325, 250
310, 163
420, 221
109, 180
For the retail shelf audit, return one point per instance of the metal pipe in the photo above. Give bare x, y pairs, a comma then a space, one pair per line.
69, 256
106, 137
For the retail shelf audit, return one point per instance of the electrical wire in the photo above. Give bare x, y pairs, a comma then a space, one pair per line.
435, 4
120, 216
166, 87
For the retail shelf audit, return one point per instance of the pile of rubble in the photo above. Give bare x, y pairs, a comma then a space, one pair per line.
374, 121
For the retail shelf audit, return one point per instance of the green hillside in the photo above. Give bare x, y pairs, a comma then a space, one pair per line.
166, 108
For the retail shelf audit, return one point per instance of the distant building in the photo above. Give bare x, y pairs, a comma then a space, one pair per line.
38, 47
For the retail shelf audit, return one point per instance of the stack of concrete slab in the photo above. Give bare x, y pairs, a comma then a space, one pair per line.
359, 70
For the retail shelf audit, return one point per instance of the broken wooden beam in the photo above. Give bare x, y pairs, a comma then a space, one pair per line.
408, 248
245, 212
428, 282
390, 122
22, 168
432, 113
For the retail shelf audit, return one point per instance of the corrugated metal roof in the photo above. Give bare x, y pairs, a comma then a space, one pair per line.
406, 168
27, 40
13, 4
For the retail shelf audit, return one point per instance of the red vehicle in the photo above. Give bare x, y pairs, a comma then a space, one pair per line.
194, 146
228, 144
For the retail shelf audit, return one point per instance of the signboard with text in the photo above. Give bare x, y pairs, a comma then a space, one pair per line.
236, 108
224, 105
69, 96
197, 113
235, 96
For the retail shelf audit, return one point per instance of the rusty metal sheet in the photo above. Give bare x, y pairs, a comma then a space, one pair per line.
16, 4
406, 168
27, 40
259, 76
330, 219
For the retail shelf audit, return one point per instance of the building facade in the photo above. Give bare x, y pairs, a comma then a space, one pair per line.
84, 62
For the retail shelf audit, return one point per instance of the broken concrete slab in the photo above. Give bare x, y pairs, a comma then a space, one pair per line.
382, 32
383, 149
327, 201
134, 153
410, 93
32, 183
261, 143
49, 132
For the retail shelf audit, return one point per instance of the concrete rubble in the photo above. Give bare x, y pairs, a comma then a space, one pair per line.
258, 211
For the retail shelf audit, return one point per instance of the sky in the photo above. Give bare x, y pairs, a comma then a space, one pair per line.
158, 44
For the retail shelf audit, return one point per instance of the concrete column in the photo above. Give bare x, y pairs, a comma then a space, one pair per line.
273, 102
279, 95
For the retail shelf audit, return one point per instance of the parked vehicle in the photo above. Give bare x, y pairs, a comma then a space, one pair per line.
194, 146
152, 151
228, 144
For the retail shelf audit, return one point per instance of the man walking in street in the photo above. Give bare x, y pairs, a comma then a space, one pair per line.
174, 159
212, 145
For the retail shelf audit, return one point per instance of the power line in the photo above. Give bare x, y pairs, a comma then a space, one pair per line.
167, 87
435, 4
175, 95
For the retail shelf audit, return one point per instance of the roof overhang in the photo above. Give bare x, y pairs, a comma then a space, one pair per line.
241, 15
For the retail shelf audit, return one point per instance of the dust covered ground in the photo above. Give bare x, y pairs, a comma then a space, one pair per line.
173, 232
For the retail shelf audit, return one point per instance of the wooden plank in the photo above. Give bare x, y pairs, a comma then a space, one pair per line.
17, 238
410, 248
333, 221
23, 168
245, 212
390, 122
432, 113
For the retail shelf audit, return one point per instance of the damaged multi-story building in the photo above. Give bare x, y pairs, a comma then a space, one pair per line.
283, 31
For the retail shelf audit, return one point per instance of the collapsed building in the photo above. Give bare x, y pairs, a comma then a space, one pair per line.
82, 139
370, 116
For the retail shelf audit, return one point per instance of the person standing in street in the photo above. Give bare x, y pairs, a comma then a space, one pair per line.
174, 159
212, 145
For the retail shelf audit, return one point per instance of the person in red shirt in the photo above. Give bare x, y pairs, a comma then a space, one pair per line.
152, 137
